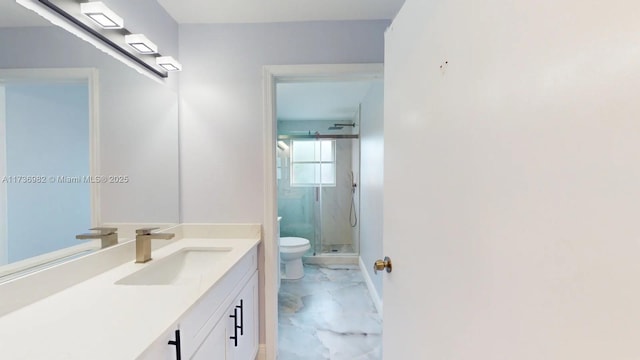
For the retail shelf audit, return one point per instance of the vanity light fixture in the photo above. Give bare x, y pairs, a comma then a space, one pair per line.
118, 43
102, 15
168, 63
141, 44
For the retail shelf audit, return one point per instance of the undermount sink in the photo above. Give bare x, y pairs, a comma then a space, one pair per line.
183, 266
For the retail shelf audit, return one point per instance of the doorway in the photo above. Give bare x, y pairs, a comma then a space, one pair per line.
318, 165
316, 178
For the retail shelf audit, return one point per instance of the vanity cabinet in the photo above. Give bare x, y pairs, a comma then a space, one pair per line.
222, 325
235, 337
214, 346
242, 328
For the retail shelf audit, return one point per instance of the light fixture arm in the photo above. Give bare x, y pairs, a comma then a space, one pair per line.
109, 39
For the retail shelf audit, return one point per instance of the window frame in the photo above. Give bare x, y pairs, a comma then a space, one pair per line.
318, 162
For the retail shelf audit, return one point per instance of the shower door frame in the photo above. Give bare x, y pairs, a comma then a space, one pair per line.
273, 74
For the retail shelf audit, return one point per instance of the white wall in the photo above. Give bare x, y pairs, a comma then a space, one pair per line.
221, 113
371, 180
528, 145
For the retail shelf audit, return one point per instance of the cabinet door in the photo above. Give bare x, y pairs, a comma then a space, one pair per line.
214, 346
161, 349
243, 323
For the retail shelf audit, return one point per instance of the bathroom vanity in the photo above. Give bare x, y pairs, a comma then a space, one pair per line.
197, 299
221, 325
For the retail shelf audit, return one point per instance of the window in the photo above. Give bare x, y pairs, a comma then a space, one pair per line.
313, 163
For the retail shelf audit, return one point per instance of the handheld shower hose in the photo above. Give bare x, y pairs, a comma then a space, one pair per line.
353, 216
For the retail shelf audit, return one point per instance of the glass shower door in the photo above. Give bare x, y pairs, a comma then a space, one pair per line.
313, 167
298, 193
339, 201
317, 198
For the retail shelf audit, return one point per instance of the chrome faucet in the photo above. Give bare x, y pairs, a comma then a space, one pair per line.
107, 235
143, 243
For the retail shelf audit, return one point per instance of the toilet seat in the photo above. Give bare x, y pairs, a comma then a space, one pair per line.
293, 244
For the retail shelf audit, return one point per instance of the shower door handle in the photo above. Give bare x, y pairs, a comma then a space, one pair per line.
380, 265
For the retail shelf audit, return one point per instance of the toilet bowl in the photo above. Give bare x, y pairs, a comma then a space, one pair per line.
291, 251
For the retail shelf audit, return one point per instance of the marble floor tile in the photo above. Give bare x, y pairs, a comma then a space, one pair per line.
328, 314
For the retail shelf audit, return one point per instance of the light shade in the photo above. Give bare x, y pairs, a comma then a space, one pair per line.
141, 44
168, 63
102, 15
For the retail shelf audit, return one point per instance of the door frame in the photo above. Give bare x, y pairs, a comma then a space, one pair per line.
272, 75
90, 75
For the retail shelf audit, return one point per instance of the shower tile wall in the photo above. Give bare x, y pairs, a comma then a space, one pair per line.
300, 211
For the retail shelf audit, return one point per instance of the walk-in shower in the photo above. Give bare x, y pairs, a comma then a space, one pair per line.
318, 165
318, 192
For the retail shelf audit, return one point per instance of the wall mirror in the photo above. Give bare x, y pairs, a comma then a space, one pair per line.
84, 141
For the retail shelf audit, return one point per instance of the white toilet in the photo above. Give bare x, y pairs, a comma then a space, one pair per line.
291, 251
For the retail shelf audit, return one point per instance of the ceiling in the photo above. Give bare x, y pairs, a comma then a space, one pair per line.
240, 11
260, 11
335, 101
14, 15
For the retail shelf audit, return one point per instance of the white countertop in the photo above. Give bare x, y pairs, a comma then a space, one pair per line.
97, 319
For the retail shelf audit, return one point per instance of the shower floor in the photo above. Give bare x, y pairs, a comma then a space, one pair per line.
338, 249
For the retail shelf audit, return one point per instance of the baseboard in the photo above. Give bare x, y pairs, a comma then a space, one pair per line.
262, 352
377, 301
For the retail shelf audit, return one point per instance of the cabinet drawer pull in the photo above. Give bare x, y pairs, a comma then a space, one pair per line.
235, 327
241, 307
176, 343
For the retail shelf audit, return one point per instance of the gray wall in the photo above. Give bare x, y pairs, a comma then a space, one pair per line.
221, 109
371, 180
